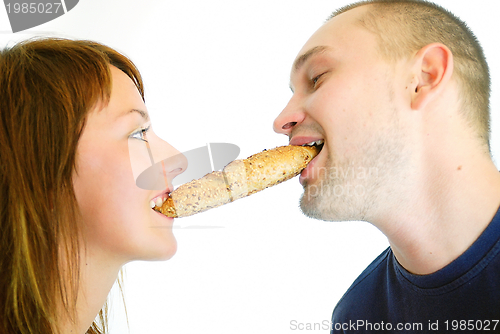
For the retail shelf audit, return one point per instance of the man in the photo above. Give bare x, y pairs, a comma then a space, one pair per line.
399, 93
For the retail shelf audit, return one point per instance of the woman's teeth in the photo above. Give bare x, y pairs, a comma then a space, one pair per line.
158, 202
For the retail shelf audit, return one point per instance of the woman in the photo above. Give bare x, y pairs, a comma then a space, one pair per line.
73, 132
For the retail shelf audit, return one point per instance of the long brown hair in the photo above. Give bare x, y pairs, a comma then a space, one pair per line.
47, 87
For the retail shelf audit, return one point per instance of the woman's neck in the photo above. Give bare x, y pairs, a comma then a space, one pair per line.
98, 273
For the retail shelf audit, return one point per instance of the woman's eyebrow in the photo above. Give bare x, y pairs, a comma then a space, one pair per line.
143, 113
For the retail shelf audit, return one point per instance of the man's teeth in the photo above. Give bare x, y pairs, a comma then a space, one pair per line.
317, 142
158, 202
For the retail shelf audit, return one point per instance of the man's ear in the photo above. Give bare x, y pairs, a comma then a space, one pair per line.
433, 69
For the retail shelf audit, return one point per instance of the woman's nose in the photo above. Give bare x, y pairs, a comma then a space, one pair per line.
173, 161
176, 164
166, 163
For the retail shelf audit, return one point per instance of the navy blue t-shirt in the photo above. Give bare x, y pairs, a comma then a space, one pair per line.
463, 297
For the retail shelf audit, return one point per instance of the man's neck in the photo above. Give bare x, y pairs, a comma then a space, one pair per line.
449, 207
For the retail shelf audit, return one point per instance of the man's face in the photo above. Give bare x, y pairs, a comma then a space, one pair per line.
344, 94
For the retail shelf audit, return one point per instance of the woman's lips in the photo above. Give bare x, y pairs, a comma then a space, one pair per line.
170, 220
159, 199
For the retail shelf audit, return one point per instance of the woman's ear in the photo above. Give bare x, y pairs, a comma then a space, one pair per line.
433, 69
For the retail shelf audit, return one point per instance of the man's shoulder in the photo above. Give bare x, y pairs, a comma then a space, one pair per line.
368, 284
386, 292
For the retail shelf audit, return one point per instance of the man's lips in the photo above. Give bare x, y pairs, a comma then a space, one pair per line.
307, 173
302, 140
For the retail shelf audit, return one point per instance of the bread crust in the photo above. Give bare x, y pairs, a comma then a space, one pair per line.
238, 179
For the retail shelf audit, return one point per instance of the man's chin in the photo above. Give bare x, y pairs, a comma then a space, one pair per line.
328, 208
312, 208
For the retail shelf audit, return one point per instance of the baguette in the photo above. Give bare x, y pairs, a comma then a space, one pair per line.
238, 179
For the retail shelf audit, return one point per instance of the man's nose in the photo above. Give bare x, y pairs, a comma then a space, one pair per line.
289, 117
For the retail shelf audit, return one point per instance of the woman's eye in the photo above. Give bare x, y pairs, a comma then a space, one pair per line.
140, 134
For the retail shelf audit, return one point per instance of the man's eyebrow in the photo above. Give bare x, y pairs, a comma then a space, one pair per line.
306, 55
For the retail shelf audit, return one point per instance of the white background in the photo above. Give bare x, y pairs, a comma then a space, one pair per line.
217, 71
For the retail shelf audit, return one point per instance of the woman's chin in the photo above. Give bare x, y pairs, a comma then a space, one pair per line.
161, 247
164, 251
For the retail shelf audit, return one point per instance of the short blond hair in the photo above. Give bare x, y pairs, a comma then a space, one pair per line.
405, 26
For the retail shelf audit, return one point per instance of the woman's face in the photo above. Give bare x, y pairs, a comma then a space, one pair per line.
118, 221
